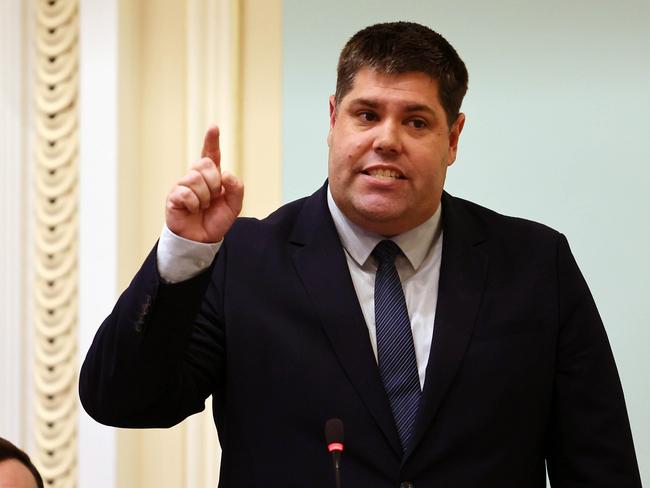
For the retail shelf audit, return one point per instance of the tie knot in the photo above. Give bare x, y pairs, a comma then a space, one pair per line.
386, 251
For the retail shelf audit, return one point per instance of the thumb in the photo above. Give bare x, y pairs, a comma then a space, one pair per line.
233, 191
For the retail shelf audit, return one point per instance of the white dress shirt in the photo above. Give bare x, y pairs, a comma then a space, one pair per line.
419, 269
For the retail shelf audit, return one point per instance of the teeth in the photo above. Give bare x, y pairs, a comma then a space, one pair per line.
384, 174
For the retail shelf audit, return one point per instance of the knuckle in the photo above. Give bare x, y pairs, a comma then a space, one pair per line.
185, 192
195, 176
192, 178
204, 163
189, 195
177, 193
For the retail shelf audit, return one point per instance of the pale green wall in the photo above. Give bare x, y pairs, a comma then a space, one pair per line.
558, 131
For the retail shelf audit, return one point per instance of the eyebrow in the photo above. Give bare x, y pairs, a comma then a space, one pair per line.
367, 102
411, 107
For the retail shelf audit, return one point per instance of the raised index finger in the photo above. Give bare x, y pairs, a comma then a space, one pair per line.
211, 145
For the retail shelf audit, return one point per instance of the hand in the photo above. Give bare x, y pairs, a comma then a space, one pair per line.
205, 202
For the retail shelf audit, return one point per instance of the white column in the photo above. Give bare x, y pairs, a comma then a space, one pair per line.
212, 97
97, 213
213, 64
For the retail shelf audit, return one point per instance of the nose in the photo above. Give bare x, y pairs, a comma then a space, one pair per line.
388, 139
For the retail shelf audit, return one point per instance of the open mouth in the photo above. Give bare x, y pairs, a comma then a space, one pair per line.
384, 174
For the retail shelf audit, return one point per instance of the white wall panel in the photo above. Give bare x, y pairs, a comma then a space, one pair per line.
97, 212
14, 328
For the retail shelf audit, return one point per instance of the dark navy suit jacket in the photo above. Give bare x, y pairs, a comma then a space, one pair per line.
520, 371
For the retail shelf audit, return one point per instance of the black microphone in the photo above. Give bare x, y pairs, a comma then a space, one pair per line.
334, 439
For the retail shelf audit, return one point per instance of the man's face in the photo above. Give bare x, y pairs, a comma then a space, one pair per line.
389, 149
13, 474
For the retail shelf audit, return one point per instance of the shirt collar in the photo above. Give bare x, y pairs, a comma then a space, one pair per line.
359, 243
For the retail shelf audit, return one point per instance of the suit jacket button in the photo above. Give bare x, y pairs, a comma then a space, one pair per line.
407, 484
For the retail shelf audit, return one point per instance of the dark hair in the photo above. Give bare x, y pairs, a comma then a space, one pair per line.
402, 47
9, 451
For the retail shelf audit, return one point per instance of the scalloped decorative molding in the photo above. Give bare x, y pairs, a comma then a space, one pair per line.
55, 223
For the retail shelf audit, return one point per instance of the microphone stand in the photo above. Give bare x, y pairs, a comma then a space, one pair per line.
336, 457
334, 439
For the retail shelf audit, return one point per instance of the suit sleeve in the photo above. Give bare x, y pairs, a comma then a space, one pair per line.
590, 443
159, 354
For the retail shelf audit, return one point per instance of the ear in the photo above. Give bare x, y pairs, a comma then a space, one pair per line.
332, 103
454, 136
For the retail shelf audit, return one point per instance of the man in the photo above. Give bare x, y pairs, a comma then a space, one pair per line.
459, 347
16, 469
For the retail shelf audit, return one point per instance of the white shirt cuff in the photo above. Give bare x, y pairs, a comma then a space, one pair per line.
180, 259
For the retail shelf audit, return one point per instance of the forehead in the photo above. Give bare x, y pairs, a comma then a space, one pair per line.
413, 87
13, 474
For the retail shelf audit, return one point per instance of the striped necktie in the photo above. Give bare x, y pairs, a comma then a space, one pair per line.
395, 350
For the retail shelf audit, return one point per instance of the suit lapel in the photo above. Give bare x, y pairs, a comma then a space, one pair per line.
462, 279
320, 262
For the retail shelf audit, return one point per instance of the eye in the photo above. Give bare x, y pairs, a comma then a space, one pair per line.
417, 123
368, 116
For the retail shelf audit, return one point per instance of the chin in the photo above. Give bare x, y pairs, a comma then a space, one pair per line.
378, 211
380, 221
